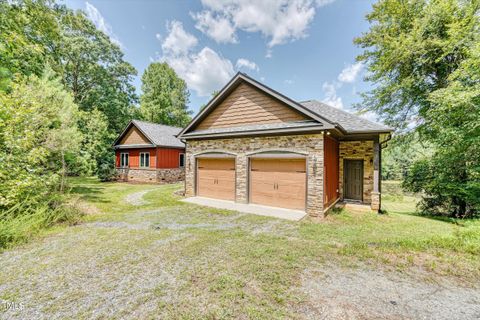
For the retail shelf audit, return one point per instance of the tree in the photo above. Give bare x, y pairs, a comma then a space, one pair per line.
37, 129
94, 70
165, 96
213, 95
411, 49
37, 34
402, 151
423, 58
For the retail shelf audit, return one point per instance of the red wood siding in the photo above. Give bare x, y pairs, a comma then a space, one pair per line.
117, 158
331, 170
168, 158
134, 157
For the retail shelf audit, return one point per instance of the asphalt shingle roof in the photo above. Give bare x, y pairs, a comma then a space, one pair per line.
255, 127
159, 134
350, 122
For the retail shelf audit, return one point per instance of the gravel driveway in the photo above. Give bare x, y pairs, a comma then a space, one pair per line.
191, 262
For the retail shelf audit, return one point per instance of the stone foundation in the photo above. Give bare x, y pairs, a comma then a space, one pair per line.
309, 145
151, 175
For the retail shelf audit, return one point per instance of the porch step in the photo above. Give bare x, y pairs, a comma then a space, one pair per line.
355, 207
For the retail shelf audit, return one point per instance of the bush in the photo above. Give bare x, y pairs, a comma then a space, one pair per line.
23, 221
106, 172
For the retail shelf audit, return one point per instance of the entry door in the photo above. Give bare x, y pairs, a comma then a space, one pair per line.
278, 182
216, 178
353, 179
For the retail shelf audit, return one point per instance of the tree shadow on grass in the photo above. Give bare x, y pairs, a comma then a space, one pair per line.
89, 193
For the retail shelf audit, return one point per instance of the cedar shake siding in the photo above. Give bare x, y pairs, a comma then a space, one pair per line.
163, 148
247, 105
292, 151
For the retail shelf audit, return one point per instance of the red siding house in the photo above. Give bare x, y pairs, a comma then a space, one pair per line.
149, 152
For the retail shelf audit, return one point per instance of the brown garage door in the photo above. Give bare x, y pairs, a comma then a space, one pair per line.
216, 178
278, 182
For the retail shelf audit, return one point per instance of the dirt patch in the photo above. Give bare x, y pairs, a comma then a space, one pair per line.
337, 293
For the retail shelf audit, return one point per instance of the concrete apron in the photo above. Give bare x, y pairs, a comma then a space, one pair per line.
288, 214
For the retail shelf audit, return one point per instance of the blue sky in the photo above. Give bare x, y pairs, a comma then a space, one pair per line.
302, 48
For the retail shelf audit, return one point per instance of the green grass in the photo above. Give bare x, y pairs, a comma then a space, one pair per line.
399, 238
222, 264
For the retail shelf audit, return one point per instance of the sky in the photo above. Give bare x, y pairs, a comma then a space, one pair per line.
301, 48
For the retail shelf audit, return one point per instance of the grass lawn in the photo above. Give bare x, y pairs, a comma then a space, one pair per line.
168, 259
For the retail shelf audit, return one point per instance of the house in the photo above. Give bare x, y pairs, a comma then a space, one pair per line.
149, 152
251, 144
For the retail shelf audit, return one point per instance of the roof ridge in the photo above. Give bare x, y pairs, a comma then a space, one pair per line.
154, 123
346, 112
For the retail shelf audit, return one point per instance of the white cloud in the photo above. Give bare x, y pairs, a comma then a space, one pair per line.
216, 26
369, 115
280, 21
349, 73
330, 93
158, 36
99, 21
244, 63
288, 81
321, 3
268, 55
204, 71
178, 40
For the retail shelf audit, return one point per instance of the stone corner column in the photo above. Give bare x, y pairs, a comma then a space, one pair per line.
241, 190
375, 195
315, 184
376, 201
189, 175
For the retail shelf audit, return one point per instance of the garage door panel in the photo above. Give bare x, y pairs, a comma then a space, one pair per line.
278, 182
216, 178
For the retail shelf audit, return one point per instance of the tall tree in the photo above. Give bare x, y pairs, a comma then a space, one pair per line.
94, 70
35, 34
37, 131
411, 49
165, 96
418, 53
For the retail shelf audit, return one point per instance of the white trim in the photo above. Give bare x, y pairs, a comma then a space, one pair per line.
140, 160
128, 159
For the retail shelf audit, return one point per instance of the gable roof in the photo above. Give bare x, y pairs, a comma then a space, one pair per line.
350, 123
232, 84
321, 115
159, 135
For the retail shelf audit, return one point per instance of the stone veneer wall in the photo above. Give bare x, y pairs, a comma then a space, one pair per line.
312, 145
358, 150
151, 175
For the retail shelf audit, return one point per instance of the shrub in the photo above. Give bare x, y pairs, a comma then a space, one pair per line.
106, 172
23, 221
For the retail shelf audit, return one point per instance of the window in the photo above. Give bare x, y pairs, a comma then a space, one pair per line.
145, 159
123, 159
181, 161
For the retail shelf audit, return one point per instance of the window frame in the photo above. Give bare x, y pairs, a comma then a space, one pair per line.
123, 156
180, 158
144, 158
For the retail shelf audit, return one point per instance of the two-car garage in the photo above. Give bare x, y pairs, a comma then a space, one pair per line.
277, 182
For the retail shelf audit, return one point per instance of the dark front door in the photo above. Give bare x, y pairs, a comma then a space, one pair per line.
353, 179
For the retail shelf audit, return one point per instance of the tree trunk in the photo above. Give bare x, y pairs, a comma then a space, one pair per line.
62, 181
